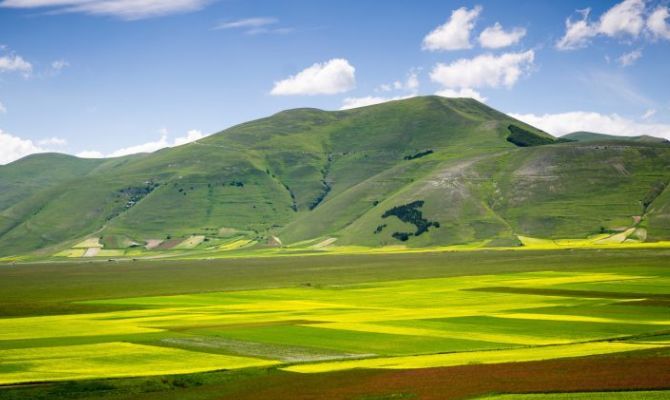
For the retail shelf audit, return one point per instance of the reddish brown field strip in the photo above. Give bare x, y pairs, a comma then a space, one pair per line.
575, 375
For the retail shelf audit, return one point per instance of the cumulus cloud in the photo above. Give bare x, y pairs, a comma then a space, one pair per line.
125, 9
612, 124
495, 37
625, 19
355, 102
148, 147
483, 71
191, 136
463, 92
90, 154
628, 59
411, 83
455, 33
13, 147
577, 33
657, 23
408, 88
331, 77
15, 63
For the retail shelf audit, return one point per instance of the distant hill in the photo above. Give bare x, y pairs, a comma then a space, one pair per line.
419, 172
582, 136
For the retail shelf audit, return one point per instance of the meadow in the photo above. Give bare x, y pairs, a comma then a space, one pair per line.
211, 329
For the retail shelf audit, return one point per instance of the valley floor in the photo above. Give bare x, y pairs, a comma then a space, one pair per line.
349, 326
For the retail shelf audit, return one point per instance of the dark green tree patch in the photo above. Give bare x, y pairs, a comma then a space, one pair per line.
402, 236
524, 138
380, 228
418, 155
411, 213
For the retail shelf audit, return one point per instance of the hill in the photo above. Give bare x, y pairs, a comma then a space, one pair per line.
425, 171
582, 136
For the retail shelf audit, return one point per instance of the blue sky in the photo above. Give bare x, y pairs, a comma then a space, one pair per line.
111, 77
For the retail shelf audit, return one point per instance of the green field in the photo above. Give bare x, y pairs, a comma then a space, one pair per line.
296, 317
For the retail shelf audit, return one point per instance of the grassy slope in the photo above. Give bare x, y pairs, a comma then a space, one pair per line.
306, 174
601, 137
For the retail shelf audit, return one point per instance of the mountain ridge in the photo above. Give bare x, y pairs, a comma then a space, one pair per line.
459, 172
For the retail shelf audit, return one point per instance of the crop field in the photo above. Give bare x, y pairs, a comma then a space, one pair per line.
437, 312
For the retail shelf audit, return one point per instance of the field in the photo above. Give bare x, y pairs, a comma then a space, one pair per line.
284, 321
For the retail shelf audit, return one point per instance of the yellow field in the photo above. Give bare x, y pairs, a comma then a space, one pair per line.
398, 324
110, 360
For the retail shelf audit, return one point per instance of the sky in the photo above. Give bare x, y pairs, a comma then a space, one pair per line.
100, 78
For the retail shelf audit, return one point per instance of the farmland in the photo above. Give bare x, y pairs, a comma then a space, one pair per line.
202, 329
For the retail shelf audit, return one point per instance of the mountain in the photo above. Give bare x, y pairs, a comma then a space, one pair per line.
424, 171
582, 136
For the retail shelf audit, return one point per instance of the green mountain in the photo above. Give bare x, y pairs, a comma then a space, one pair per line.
582, 136
425, 171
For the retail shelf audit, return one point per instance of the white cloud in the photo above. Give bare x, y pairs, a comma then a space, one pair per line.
15, 63
577, 33
90, 154
623, 19
612, 124
13, 147
455, 33
52, 141
657, 24
411, 83
483, 71
125, 9
148, 147
628, 59
255, 26
247, 23
59, 64
495, 37
355, 102
191, 136
463, 92
649, 113
331, 77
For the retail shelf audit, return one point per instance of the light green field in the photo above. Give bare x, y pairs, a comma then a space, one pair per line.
401, 324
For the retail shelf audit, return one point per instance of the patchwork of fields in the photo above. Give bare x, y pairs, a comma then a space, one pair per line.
405, 324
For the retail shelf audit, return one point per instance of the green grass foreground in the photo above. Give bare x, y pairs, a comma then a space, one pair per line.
147, 323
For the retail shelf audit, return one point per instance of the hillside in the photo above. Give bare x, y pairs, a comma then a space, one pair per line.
601, 137
425, 171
